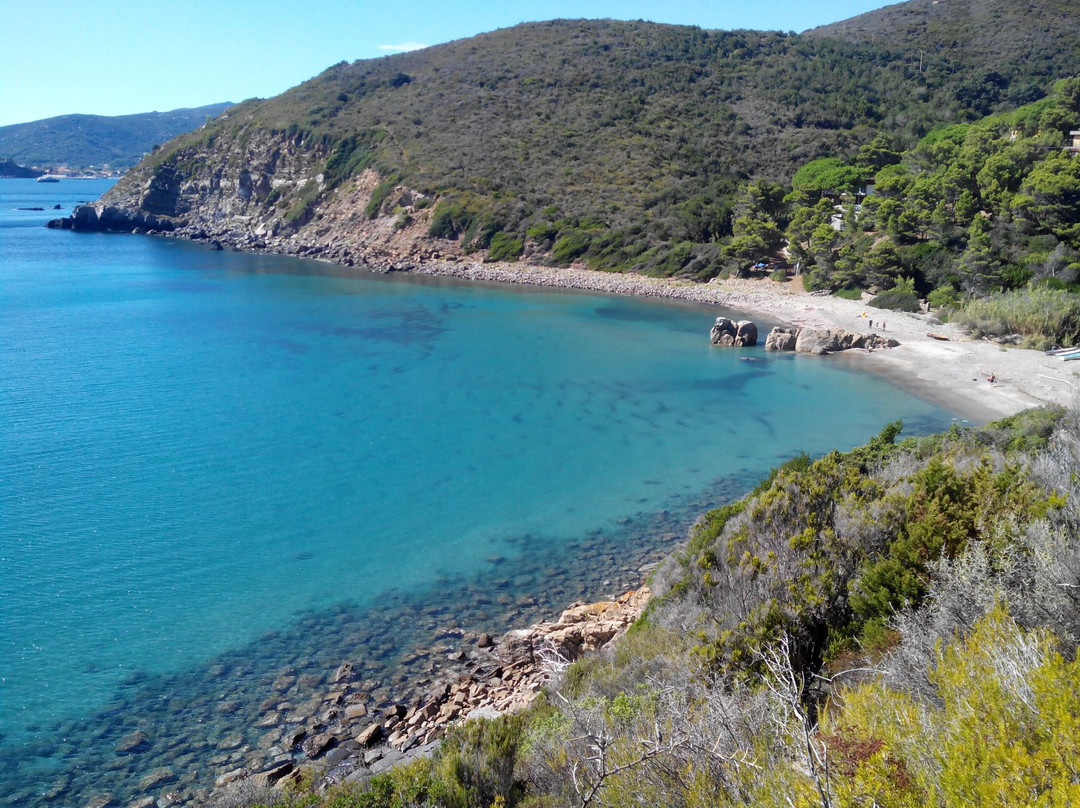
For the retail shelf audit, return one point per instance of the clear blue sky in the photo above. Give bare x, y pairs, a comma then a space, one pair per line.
121, 56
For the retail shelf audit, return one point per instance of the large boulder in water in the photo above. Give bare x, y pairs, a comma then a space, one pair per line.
819, 341
822, 341
781, 338
727, 332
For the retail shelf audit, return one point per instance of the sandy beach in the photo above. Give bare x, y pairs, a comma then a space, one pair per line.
954, 372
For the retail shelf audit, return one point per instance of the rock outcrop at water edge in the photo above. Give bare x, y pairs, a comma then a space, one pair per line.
343, 740
821, 341
729, 333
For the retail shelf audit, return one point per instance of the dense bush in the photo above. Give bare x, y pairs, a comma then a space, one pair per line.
897, 299
671, 135
504, 247
1043, 316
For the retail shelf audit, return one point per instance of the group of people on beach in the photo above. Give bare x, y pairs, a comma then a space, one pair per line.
872, 322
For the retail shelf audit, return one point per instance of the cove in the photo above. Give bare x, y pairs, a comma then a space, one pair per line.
218, 465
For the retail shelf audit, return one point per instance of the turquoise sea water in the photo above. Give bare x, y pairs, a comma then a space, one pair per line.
214, 461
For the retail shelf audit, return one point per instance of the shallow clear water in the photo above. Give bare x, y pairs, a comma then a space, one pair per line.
202, 447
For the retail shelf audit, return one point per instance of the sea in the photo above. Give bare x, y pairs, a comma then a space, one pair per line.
219, 466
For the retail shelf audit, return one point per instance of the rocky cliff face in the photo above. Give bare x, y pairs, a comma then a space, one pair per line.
266, 190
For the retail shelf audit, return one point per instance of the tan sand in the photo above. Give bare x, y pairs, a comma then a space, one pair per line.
953, 373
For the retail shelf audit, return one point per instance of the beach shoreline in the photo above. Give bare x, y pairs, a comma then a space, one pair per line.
953, 372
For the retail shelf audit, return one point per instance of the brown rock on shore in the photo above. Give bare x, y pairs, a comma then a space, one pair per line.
503, 676
821, 341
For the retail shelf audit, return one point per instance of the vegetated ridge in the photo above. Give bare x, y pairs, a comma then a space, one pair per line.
81, 142
622, 145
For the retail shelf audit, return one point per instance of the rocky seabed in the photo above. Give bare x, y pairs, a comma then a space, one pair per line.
345, 741
351, 691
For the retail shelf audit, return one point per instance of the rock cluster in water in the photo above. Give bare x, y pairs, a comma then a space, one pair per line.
821, 341
729, 333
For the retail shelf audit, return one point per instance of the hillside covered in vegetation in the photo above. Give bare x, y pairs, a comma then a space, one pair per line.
623, 145
972, 209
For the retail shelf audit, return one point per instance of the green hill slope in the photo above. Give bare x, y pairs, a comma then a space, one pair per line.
82, 141
990, 51
617, 143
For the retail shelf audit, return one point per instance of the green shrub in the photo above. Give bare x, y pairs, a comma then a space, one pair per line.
477, 761
352, 155
943, 297
813, 280
541, 232
849, 293
901, 297
779, 275
569, 247
1042, 315
301, 210
380, 194
505, 247
449, 220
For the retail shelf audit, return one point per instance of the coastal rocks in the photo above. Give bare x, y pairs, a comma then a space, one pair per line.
781, 339
136, 741
370, 736
273, 775
400, 655
729, 333
100, 218
822, 341
156, 778
162, 192
497, 676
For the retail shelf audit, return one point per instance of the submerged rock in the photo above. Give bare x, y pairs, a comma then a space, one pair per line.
135, 741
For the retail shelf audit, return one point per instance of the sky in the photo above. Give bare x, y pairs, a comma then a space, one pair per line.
122, 57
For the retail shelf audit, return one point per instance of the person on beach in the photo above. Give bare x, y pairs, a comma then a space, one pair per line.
991, 378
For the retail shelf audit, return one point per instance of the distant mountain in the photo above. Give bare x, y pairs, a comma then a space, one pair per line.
620, 144
82, 141
11, 169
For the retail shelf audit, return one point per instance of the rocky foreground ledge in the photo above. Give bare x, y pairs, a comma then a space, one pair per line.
339, 738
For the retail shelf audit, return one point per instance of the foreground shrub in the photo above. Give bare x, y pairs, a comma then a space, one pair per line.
1002, 727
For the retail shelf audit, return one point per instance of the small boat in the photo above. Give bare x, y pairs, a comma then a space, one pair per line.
937, 336
1061, 351
48, 178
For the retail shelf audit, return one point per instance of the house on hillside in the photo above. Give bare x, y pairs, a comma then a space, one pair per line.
1075, 147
